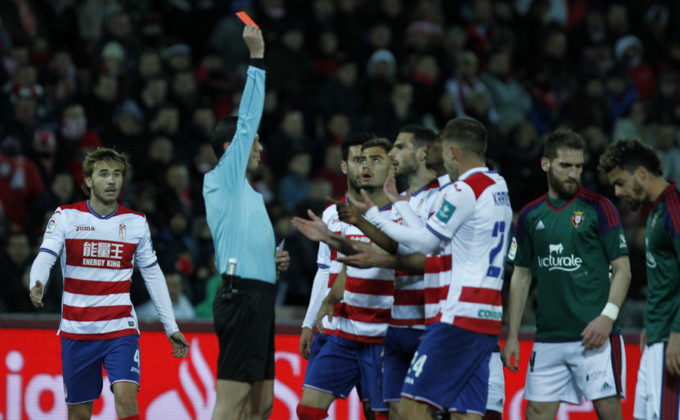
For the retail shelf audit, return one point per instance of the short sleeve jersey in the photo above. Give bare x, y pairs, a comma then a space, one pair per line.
408, 309
364, 312
663, 266
473, 222
97, 258
568, 249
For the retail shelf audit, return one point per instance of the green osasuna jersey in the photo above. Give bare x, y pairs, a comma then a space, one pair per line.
568, 249
663, 266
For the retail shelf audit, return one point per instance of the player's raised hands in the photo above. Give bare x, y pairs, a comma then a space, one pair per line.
390, 189
36, 295
180, 345
362, 206
313, 228
254, 40
346, 212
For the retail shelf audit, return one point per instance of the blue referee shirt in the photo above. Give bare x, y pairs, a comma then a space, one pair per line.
236, 213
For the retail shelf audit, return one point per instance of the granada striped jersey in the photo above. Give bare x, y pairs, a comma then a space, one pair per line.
97, 258
326, 259
408, 309
568, 245
662, 315
364, 313
465, 278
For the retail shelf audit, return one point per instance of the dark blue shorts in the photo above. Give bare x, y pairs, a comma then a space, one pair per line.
400, 345
343, 364
450, 370
82, 362
318, 342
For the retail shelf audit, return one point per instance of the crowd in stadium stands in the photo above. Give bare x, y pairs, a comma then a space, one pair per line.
150, 77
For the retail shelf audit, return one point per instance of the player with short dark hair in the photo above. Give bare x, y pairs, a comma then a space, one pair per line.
568, 239
634, 169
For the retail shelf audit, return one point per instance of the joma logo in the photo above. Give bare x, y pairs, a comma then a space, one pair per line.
84, 228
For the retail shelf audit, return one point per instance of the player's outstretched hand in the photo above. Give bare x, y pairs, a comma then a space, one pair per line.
390, 189
36, 295
362, 206
254, 40
346, 212
365, 256
597, 332
510, 354
314, 228
306, 342
180, 345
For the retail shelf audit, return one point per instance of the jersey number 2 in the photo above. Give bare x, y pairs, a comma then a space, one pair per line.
498, 232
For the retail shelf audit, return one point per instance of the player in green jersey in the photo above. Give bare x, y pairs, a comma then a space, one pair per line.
568, 239
634, 169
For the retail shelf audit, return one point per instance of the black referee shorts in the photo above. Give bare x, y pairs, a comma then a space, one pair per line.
245, 329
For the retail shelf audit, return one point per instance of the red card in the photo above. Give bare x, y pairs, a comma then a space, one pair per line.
246, 19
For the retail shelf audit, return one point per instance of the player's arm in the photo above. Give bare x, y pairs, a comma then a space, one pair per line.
316, 230
365, 256
155, 283
52, 244
334, 296
39, 274
520, 283
598, 330
315, 300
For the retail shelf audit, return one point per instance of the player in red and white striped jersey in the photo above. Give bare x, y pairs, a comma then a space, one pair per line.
99, 243
363, 297
450, 371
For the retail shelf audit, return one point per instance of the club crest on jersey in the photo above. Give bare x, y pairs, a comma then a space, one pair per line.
50, 225
577, 219
445, 211
122, 231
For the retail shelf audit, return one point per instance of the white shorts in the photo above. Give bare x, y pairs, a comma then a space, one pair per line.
567, 372
496, 398
657, 393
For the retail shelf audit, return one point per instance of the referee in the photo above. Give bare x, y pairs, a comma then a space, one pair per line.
245, 254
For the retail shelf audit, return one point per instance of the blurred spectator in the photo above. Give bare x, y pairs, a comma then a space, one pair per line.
179, 58
634, 124
630, 53
341, 93
294, 185
127, 134
520, 165
166, 122
331, 171
666, 145
289, 138
381, 71
15, 262
61, 191
399, 112
153, 164
466, 82
181, 306
44, 153
20, 182
511, 100
61, 82
663, 100
101, 101
620, 93
589, 105
152, 96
